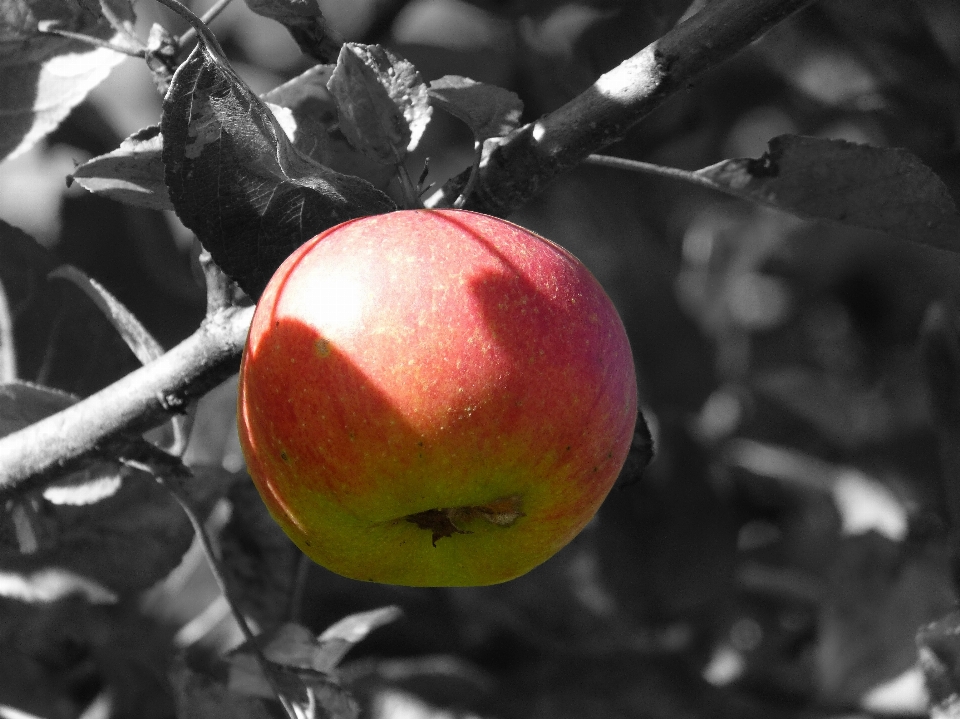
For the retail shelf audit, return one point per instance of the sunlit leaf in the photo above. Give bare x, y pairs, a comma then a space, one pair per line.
42, 76
133, 173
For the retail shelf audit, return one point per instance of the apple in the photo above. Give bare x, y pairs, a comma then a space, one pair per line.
434, 398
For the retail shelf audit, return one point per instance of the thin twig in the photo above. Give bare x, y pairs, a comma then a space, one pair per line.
533, 155
208, 17
302, 572
198, 25
90, 40
170, 472
648, 168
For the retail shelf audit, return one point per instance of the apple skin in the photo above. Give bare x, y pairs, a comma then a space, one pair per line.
434, 372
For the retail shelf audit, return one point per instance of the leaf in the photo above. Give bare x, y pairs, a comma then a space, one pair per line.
311, 659
885, 189
8, 353
310, 120
294, 646
383, 103
306, 24
246, 678
237, 181
201, 697
133, 173
306, 110
23, 403
338, 638
879, 593
43, 77
138, 339
125, 542
61, 338
261, 558
488, 110
939, 648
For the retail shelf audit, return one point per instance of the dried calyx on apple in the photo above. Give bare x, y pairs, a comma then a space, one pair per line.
434, 398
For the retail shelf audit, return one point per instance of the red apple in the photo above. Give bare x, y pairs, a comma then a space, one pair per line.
434, 398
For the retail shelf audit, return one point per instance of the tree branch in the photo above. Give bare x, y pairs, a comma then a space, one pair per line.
141, 400
530, 157
516, 170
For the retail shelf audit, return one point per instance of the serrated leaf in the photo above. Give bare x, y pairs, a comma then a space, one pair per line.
885, 189
305, 23
312, 125
133, 173
237, 181
383, 103
138, 339
488, 110
43, 77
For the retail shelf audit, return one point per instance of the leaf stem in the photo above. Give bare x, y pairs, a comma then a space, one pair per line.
198, 25
410, 198
208, 17
474, 173
169, 471
648, 168
90, 40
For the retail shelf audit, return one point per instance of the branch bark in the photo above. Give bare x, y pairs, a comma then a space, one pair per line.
516, 170
143, 399
521, 165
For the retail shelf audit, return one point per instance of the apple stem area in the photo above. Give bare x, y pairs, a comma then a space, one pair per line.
446, 521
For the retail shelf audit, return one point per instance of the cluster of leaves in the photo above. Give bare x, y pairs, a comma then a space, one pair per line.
785, 546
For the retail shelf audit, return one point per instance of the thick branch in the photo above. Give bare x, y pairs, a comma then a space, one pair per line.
135, 403
533, 155
510, 175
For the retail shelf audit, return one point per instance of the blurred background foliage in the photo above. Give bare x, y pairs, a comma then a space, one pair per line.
790, 537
